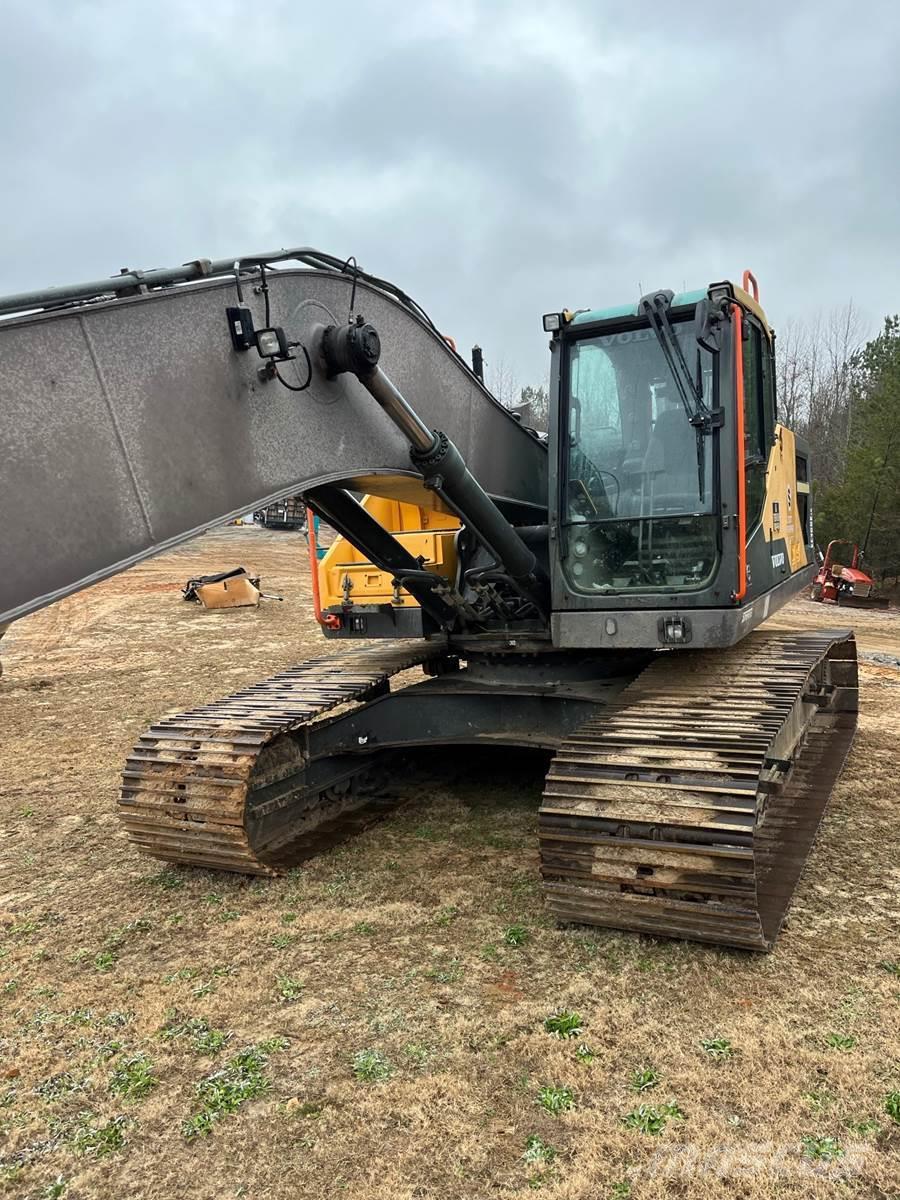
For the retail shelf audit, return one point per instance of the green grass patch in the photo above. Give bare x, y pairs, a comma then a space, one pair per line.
167, 880
182, 974
371, 1066
556, 1100
819, 1099
100, 1140
652, 1119
821, 1149
223, 1092
537, 1151
107, 1050
564, 1024
446, 915
62, 1084
892, 1106
281, 941
718, 1048
865, 1127
80, 1016
133, 1078
516, 935
202, 1037
288, 989
118, 937
418, 1053
840, 1041
118, 1017
448, 972
644, 1079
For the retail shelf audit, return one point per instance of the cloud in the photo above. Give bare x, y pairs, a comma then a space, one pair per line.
497, 160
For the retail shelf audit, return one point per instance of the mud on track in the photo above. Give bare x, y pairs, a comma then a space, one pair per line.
424, 941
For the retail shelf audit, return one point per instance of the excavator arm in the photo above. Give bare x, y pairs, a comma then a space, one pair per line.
136, 412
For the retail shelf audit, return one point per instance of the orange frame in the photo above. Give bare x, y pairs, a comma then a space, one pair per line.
329, 620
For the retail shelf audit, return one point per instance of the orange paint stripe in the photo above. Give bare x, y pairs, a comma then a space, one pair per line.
741, 590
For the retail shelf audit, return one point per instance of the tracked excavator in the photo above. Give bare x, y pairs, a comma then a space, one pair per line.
596, 593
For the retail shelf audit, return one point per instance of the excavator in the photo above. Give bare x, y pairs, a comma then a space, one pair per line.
596, 592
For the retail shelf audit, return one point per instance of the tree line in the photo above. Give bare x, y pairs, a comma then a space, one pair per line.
841, 393
846, 402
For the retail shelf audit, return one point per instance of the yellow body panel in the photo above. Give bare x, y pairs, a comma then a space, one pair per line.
781, 510
405, 488
423, 531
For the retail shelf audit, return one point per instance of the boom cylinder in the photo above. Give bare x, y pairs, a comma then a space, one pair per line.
444, 470
357, 349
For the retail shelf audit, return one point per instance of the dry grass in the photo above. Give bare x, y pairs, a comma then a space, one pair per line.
396, 989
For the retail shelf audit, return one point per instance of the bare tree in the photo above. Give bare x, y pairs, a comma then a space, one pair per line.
815, 384
833, 342
792, 382
502, 382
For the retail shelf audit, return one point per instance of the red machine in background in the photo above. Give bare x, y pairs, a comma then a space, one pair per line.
847, 585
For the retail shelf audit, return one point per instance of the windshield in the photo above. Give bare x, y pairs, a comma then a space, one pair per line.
639, 478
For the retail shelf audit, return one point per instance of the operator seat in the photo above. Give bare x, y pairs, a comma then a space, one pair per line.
671, 463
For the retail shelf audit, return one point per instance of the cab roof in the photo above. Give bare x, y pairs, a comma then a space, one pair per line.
679, 300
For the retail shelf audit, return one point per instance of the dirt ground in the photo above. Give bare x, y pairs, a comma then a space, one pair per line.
394, 990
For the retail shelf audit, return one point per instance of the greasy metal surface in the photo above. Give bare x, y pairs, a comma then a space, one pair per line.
130, 425
688, 808
208, 787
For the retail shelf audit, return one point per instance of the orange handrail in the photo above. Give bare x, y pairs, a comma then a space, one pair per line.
329, 620
750, 278
740, 450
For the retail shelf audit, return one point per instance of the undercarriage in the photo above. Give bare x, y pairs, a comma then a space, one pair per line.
683, 797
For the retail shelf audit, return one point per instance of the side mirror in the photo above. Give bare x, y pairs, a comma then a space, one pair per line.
708, 326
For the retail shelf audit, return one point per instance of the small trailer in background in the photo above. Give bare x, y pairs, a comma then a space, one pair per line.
289, 513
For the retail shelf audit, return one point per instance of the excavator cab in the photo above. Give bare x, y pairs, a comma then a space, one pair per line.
680, 501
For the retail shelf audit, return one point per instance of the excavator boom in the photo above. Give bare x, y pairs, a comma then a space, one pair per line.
129, 422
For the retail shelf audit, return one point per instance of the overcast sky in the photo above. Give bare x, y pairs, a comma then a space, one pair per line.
496, 160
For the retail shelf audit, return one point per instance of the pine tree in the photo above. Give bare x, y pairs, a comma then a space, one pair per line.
865, 505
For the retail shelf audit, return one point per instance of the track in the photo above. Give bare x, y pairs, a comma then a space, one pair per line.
689, 808
226, 786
